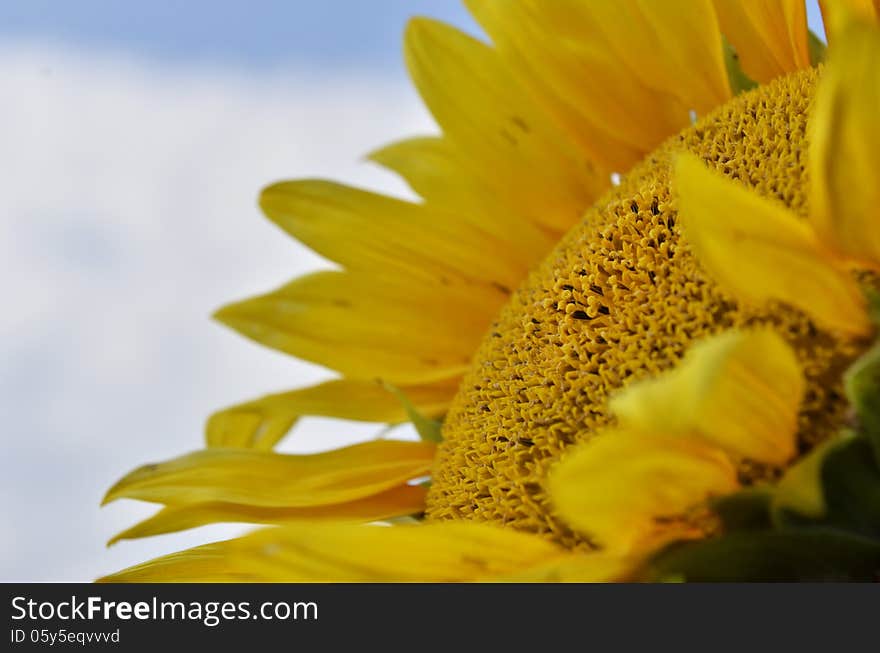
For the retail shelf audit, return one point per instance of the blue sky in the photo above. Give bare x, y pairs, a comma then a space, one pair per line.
362, 33
253, 34
136, 138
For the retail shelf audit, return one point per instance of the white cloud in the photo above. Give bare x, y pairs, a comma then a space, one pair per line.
127, 215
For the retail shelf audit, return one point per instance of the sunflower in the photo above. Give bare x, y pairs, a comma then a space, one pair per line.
631, 317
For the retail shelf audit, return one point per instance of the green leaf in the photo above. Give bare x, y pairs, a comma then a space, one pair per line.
770, 556
429, 430
862, 384
799, 493
739, 81
748, 510
817, 48
851, 483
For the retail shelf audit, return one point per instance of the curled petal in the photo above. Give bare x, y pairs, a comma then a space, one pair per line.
759, 251
740, 390
622, 488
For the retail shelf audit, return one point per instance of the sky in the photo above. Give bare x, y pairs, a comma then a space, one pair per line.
254, 35
136, 139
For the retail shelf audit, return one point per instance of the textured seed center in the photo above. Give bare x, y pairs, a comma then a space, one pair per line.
620, 298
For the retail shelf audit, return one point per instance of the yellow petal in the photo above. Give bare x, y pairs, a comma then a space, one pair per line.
396, 502
837, 14
263, 478
261, 423
657, 41
485, 111
611, 72
320, 552
440, 173
760, 251
594, 567
372, 233
208, 563
605, 565
438, 552
367, 328
845, 148
562, 56
621, 488
770, 36
740, 390
257, 427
